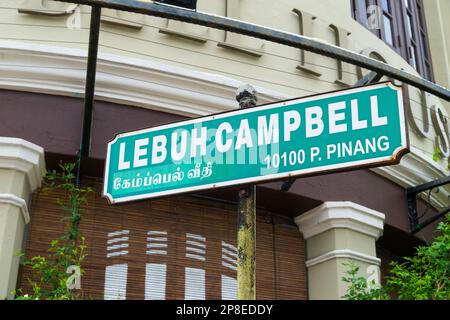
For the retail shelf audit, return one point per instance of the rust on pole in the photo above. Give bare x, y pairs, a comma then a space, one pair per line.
246, 220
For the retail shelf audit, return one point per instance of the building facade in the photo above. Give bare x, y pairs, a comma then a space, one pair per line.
153, 71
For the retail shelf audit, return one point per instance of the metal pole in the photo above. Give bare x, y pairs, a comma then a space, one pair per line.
411, 195
246, 221
89, 92
430, 185
420, 226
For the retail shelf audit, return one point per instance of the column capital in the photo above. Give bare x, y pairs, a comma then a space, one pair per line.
22, 168
18, 154
8, 198
340, 214
337, 232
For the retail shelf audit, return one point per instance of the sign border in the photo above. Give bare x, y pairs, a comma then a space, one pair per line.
342, 167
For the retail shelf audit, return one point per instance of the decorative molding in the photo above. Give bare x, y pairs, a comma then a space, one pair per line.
184, 35
342, 215
123, 80
8, 198
23, 156
252, 52
344, 253
178, 29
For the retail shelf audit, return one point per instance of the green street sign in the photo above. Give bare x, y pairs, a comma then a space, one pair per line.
336, 131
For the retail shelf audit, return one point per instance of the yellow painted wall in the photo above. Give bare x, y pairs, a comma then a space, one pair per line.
275, 69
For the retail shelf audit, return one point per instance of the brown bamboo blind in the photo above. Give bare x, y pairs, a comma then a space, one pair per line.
166, 227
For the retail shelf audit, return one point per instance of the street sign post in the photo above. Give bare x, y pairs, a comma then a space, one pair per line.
336, 131
246, 219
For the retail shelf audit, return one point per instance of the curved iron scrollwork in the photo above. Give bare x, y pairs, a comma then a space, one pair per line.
414, 217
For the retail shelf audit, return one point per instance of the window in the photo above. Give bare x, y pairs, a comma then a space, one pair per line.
387, 22
418, 53
379, 16
401, 24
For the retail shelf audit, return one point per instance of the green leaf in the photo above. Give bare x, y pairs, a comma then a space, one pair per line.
436, 154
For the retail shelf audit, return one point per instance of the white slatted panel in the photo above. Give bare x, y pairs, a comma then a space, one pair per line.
155, 281
195, 246
229, 260
116, 282
229, 288
117, 243
194, 284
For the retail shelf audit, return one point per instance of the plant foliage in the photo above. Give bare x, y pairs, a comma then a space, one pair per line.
424, 276
50, 278
359, 288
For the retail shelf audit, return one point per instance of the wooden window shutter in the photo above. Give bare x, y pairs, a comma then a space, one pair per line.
171, 248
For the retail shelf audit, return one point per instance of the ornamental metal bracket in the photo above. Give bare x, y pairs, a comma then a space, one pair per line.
411, 195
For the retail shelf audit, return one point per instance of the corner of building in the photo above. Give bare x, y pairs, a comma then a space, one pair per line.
22, 167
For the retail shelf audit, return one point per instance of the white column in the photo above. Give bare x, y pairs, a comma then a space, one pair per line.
22, 167
335, 233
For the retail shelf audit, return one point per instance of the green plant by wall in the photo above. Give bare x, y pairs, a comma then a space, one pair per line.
57, 276
359, 288
424, 276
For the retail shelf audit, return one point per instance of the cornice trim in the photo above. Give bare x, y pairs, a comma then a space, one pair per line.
11, 199
344, 253
18, 154
340, 215
123, 80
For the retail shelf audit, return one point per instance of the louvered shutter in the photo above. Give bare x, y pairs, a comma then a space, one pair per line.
172, 248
